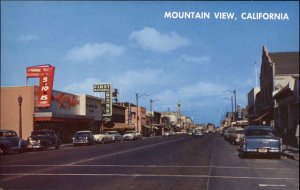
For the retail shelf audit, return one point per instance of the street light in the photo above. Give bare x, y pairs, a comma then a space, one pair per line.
20, 100
234, 93
137, 96
151, 118
231, 99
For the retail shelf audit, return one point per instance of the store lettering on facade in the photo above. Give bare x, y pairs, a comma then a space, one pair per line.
65, 101
107, 89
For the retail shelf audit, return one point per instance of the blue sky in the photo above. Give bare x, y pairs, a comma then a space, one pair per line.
132, 46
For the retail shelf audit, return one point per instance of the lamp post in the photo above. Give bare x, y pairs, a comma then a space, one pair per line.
234, 93
20, 100
151, 101
137, 96
231, 99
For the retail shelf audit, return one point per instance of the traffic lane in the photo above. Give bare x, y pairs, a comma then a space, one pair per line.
229, 154
108, 182
72, 154
182, 151
228, 171
134, 176
223, 183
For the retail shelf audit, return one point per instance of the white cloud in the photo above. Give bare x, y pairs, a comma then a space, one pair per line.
83, 87
194, 59
27, 38
202, 89
150, 38
90, 52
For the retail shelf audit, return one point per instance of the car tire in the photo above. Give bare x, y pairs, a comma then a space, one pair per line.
45, 146
242, 155
57, 147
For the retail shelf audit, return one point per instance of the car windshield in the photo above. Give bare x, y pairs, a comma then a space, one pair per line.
40, 133
129, 132
112, 132
82, 134
260, 132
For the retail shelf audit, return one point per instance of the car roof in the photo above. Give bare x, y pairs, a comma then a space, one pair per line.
44, 130
6, 130
83, 131
259, 127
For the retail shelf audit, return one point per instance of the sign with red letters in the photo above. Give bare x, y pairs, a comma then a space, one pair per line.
46, 75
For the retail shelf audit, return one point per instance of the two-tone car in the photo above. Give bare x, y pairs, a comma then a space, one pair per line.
261, 140
132, 135
116, 136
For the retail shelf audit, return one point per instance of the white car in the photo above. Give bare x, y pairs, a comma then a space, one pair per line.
132, 135
103, 137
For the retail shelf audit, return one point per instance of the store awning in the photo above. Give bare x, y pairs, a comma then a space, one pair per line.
261, 117
120, 126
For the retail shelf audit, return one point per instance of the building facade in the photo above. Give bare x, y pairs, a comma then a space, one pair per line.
67, 114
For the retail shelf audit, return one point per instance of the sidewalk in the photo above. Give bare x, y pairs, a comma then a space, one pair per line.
290, 152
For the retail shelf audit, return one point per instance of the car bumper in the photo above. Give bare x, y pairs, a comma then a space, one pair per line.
81, 142
34, 146
261, 150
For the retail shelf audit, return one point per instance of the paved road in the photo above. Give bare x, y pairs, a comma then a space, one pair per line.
170, 163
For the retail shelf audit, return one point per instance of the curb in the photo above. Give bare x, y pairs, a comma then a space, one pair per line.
290, 156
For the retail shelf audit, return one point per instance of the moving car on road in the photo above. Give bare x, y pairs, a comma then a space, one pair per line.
83, 138
9, 141
43, 139
260, 140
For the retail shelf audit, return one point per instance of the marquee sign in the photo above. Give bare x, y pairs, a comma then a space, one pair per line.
46, 75
107, 89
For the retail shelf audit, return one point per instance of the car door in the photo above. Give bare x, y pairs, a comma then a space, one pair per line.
13, 138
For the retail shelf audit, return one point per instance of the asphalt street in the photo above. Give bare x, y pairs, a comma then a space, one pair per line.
164, 163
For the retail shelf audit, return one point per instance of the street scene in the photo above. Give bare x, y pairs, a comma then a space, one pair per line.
149, 95
176, 162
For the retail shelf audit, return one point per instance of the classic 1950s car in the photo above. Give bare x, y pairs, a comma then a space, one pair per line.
10, 141
260, 140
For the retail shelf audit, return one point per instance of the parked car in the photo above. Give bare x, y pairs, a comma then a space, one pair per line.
260, 140
10, 141
103, 138
166, 134
235, 136
116, 136
43, 139
132, 135
83, 138
198, 132
227, 133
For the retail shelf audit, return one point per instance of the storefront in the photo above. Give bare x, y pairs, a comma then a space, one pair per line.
67, 113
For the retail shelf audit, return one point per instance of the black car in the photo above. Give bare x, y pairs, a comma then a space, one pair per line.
43, 139
10, 141
83, 138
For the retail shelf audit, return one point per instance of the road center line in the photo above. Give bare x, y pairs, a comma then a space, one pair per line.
145, 175
144, 166
271, 185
